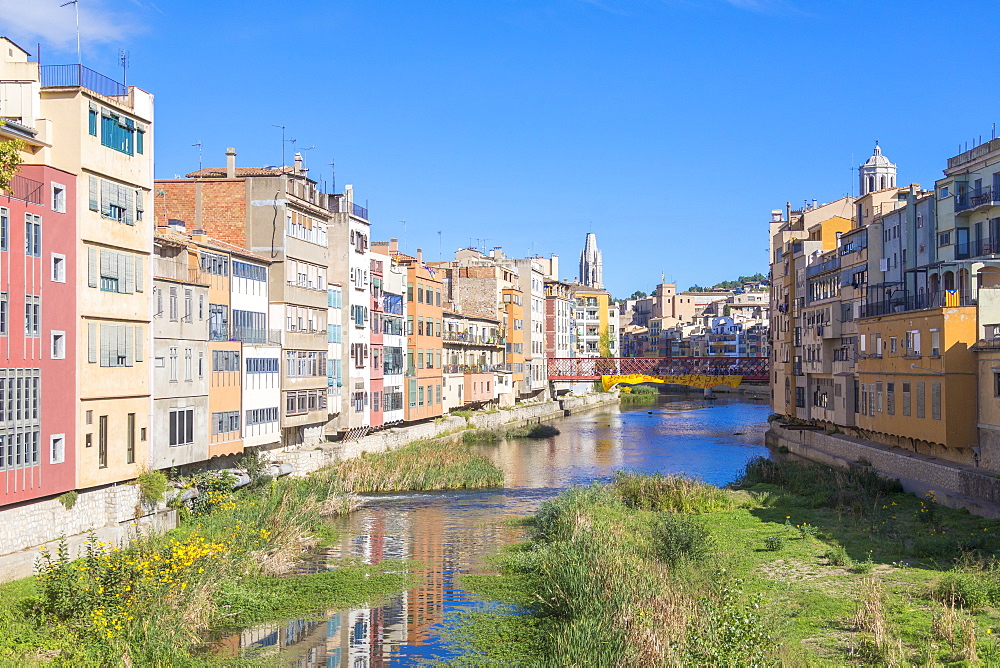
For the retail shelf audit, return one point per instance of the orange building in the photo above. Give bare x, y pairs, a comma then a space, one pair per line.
424, 316
513, 316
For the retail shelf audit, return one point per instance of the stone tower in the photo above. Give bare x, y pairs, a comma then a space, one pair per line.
591, 263
877, 173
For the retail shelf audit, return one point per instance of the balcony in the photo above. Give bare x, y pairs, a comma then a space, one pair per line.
27, 190
473, 339
77, 75
340, 205
970, 201
823, 267
471, 368
902, 304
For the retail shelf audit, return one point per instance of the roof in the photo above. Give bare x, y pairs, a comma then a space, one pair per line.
220, 172
877, 159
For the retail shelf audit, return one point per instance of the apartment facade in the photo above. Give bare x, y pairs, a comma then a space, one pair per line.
238, 206
394, 345
423, 327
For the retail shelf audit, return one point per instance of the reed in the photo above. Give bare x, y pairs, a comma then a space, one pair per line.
675, 493
422, 465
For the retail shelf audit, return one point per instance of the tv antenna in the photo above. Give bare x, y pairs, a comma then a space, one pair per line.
303, 151
333, 176
199, 145
404, 235
76, 6
123, 60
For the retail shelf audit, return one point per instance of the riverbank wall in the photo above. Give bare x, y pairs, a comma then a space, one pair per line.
116, 514
327, 454
954, 485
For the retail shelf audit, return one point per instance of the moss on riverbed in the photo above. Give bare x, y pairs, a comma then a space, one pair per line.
805, 565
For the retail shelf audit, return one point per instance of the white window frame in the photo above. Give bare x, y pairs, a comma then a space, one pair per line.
58, 204
57, 448
58, 268
55, 335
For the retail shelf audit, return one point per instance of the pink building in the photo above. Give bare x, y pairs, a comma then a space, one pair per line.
38, 313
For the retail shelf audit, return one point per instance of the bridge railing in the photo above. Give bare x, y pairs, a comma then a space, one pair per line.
754, 369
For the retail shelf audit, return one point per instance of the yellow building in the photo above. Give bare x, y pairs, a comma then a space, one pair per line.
513, 319
105, 136
917, 381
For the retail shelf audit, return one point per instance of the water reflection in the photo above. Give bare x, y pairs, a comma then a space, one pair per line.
454, 533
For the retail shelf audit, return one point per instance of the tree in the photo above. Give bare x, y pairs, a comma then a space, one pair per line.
604, 342
10, 160
638, 294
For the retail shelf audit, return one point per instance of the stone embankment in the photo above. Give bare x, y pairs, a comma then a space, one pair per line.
116, 513
954, 485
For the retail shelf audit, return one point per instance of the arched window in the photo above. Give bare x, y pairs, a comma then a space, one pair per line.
882, 183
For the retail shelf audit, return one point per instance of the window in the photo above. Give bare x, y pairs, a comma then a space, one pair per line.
58, 347
944, 238
935, 401
225, 422
920, 400
173, 365
4, 310
256, 416
188, 365
935, 343
116, 201
117, 132
58, 198
250, 326
906, 399
140, 140
252, 272
420, 395
57, 448
298, 403
201, 364
102, 442
92, 122
58, 268
262, 365
181, 426
120, 345
305, 363
32, 316
32, 235
116, 272
225, 360
218, 322
4, 227
130, 440
188, 305
411, 393
217, 265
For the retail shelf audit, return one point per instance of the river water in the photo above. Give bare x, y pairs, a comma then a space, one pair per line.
455, 532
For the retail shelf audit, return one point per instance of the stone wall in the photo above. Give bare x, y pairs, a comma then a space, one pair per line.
110, 512
954, 485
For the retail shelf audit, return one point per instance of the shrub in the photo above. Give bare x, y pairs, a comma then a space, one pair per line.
837, 556
543, 431
152, 485
677, 492
680, 538
68, 499
774, 543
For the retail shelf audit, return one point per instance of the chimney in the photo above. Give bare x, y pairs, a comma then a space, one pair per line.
420, 255
788, 212
815, 204
394, 245
298, 163
230, 163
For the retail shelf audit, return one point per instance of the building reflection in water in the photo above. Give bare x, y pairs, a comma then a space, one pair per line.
453, 532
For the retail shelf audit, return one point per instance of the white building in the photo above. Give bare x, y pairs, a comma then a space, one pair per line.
334, 357
393, 341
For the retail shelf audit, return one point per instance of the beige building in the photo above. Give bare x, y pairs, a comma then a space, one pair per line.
105, 135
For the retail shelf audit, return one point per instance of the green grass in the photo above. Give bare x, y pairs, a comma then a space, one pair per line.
863, 577
421, 465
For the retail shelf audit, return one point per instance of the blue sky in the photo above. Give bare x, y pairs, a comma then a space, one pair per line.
670, 128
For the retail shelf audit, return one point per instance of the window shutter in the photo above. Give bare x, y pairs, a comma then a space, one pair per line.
92, 277
106, 263
94, 203
128, 343
92, 342
916, 342
138, 274
138, 201
128, 204
138, 343
106, 198
129, 274
105, 345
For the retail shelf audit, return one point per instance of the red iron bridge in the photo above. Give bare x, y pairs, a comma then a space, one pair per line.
753, 369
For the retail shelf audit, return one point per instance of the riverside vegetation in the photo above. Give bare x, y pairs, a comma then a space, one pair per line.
794, 565
159, 600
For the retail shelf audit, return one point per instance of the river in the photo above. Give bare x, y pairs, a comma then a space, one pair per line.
455, 532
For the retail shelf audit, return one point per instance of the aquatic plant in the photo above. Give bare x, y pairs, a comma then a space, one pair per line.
421, 465
676, 492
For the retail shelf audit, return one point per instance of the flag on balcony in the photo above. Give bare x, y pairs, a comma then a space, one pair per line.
951, 297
